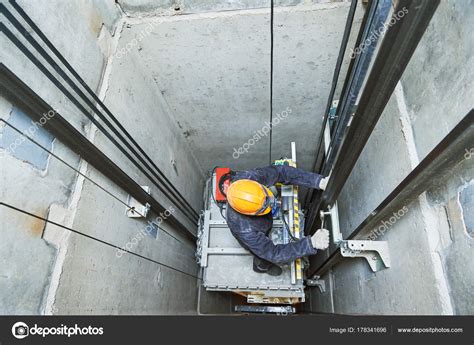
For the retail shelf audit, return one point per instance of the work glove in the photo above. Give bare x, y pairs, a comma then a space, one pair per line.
323, 183
320, 240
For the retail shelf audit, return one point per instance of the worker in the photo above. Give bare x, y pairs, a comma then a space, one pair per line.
250, 219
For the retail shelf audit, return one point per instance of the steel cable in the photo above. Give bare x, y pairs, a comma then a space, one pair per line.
85, 176
160, 176
271, 81
97, 239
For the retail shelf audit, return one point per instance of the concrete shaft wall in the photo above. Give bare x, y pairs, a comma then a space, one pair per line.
30, 178
147, 8
47, 270
431, 240
213, 69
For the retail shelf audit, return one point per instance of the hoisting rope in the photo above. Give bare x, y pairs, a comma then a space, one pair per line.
129, 208
100, 187
271, 81
96, 239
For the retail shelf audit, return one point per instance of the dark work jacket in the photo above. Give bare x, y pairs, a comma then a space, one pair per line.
251, 231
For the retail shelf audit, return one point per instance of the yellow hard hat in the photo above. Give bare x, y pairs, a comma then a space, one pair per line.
250, 197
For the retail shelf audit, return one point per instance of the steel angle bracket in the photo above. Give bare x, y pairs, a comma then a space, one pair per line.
375, 252
316, 281
135, 209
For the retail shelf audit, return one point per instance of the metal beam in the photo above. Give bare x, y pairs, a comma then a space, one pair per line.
335, 77
399, 44
320, 149
379, 12
429, 172
22, 96
397, 48
135, 153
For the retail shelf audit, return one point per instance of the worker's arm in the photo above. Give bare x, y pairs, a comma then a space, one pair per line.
284, 174
260, 245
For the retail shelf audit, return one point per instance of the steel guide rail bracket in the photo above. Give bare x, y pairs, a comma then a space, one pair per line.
396, 49
375, 252
430, 171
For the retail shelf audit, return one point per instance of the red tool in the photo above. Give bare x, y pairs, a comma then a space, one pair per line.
220, 197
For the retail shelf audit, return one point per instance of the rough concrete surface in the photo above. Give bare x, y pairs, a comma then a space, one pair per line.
143, 8
404, 288
111, 283
374, 176
26, 281
22, 185
213, 71
23, 149
133, 97
80, 48
456, 247
439, 80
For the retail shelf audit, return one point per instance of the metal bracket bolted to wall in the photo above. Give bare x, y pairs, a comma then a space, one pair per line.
375, 252
136, 209
332, 110
316, 281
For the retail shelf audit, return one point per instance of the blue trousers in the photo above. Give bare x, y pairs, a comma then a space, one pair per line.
252, 231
